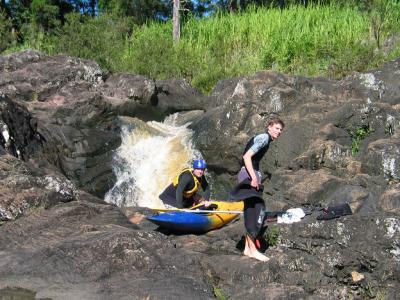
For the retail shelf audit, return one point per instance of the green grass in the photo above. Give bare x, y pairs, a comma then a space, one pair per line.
311, 41
273, 236
219, 294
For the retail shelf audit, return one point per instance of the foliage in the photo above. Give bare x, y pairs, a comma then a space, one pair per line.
383, 14
140, 11
18, 11
332, 39
6, 34
273, 236
40, 18
370, 291
316, 41
44, 14
34, 19
101, 39
357, 136
219, 294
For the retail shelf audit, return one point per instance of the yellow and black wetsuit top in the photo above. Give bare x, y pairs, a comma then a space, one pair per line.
193, 188
187, 185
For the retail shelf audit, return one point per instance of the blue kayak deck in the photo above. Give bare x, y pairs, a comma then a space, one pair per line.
183, 221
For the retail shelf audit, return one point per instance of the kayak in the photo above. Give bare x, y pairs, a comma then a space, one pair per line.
197, 219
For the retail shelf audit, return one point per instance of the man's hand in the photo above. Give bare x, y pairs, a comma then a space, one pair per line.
247, 158
206, 203
254, 183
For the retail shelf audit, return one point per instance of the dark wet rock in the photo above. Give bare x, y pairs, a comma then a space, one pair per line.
382, 158
128, 86
20, 59
61, 119
175, 95
26, 189
318, 188
309, 260
348, 126
184, 118
63, 112
132, 95
33, 76
84, 250
390, 199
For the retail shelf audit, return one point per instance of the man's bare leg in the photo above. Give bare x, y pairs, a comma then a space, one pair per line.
251, 251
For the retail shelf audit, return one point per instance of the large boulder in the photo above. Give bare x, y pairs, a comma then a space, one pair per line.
345, 128
26, 189
87, 250
61, 119
175, 95
63, 112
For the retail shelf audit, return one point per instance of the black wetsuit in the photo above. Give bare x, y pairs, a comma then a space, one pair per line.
174, 196
254, 206
260, 145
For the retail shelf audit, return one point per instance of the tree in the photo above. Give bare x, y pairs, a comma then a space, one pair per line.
140, 11
44, 14
381, 11
3, 5
6, 36
176, 31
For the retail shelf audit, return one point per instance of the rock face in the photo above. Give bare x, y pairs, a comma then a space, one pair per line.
340, 135
60, 120
89, 250
27, 189
62, 111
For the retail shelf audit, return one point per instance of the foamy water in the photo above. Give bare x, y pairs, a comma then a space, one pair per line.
147, 161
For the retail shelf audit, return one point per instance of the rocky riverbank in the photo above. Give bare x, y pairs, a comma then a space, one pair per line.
61, 119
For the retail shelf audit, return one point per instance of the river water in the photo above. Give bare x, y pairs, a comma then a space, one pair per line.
148, 159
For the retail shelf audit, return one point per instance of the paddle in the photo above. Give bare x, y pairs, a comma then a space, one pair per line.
269, 216
199, 211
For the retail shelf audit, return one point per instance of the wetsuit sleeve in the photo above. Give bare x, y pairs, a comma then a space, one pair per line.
259, 141
206, 188
185, 180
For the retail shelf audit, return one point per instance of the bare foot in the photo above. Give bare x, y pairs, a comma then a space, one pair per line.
257, 255
251, 251
136, 218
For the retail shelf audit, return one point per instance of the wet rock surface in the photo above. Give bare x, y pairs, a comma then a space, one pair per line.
61, 119
86, 250
339, 133
63, 111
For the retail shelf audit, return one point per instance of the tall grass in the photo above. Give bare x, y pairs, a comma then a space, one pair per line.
313, 40
317, 40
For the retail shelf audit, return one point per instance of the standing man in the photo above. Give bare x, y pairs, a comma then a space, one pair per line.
182, 192
249, 189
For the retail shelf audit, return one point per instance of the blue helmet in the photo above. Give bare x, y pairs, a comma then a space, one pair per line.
199, 164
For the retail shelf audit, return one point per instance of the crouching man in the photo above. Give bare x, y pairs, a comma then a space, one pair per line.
183, 191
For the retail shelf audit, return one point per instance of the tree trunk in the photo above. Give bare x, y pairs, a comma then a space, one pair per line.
92, 5
176, 33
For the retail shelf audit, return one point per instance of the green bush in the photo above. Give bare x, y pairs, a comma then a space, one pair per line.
101, 39
6, 33
273, 236
317, 40
357, 136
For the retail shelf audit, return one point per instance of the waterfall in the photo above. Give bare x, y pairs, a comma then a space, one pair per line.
149, 157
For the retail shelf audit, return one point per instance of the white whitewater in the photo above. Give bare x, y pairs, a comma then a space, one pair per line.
147, 160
